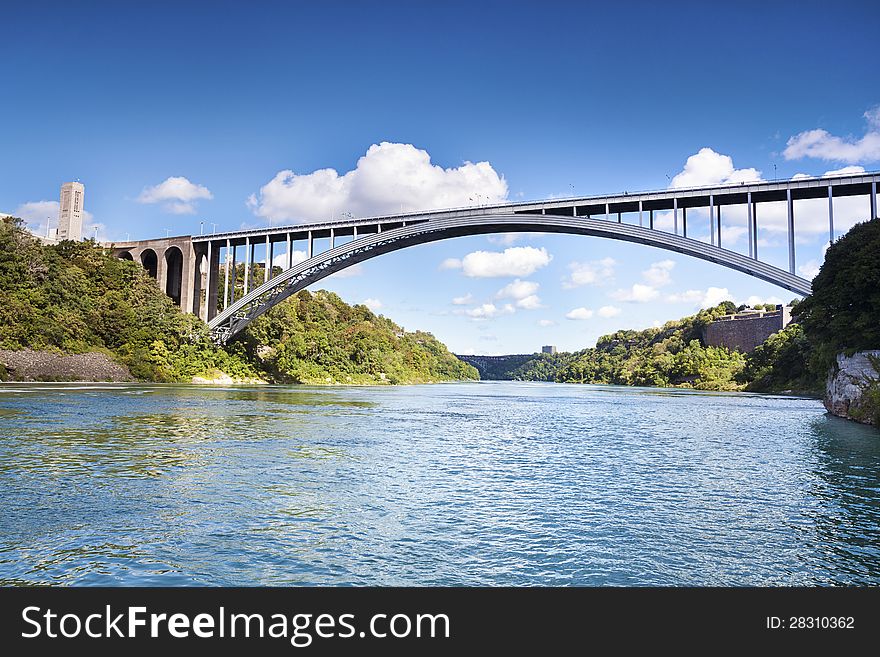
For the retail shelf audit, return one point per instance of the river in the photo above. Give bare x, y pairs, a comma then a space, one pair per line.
491, 483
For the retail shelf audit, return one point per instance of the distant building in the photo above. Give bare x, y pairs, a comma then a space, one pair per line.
70, 212
548, 349
746, 330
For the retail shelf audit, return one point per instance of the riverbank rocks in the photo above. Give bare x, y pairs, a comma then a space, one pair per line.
29, 365
853, 387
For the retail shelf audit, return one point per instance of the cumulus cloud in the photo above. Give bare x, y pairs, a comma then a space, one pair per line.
608, 311
515, 261
280, 259
489, 311
754, 300
710, 168
657, 275
388, 179
811, 216
702, 299
177, 194
373, 304
38, 214
505, 239
579, 314
638, 293
517, 290
594, 272
465, 300
822, 145
531, 302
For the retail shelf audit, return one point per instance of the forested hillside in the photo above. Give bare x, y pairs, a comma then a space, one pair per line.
74, 298
673, 355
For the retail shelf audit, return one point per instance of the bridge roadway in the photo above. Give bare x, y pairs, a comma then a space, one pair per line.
186, 266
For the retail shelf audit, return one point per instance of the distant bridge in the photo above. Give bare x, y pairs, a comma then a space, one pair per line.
189, 269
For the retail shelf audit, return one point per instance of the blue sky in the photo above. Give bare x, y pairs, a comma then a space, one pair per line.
557, 97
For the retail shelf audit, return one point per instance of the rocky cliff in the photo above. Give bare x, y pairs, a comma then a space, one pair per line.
853, 387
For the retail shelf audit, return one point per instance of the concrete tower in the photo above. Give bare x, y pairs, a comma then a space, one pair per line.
71, 211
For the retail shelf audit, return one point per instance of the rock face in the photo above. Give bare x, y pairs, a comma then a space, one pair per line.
29, 365
847, 390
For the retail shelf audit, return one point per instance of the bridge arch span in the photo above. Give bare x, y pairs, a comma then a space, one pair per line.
150, 262
173, 273
239, 314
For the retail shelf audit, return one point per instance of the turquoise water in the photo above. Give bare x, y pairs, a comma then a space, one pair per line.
473, 484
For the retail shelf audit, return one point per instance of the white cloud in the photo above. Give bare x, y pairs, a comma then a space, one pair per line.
821, 144
638, 293
710, 168
506, 239
465, 300
579, 314
811, 216
35, 214
544, 323
711, 297
594, 272
659, 273
809, 269
608, 311
373, 304
388, 179
531, 302
280, 259
177, 193
846, 171
489, 311
515, 261
754, 300
517, 290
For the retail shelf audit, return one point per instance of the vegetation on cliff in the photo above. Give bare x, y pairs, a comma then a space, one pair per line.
73, 298
671, 355
317, 338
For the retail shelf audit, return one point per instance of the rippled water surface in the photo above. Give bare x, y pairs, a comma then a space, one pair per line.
476, 484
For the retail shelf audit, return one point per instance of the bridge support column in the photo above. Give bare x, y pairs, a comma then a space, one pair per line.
607, 212
755, 226
289, 252
268, 260
790, 204
641, 224
332, 238
830, 214
873, 199
226, 277
675, 215
212, 276
684, 222
651, 219
248, 258
203, 310
311, 247
750, 224
712, 219
719, 226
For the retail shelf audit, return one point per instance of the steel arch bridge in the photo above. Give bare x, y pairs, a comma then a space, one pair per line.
243, 311
201, 269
